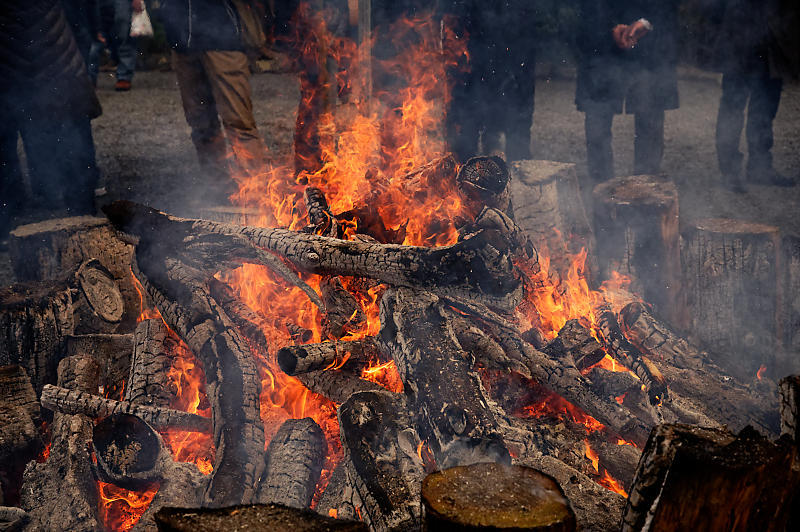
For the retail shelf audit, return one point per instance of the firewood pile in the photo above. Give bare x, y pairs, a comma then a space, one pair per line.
475, 387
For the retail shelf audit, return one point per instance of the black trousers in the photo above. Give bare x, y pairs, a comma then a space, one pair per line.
648, 142
761, 95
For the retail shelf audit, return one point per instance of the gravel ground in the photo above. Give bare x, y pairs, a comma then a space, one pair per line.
145, 153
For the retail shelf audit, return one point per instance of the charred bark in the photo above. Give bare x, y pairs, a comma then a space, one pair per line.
245, 318
19, 436
342, 312
790, 407
576, 341
336, 385
355, 355
112, 351
149, 383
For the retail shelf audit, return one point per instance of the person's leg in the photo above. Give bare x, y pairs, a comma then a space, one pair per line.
11, 189
79, 169
648, 142
730, 121
599, 153
127, 47
765, 96
229, 78
200, 110
95, 53
462, 124
41, 138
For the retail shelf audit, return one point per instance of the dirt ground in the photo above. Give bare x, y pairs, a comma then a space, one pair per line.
145, 154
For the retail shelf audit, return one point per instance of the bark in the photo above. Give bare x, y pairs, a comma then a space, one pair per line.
61, 493
232, 384
692, 375
339, 498
576, 341
19, 437
319, 214
149, 383
245, 318
636, 223
790, 407
67, 401
112, 351
548, 205
293, 464
731, 274
355, 355
494, 496
790, 288
691, 478
12, 518
380, 456
477, 269
45, 250
483, 181
343, 314
336, 385
98, 304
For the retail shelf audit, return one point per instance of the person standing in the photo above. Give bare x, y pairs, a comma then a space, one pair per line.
494, 95
113, 21
627, 59
209, 60
756, 47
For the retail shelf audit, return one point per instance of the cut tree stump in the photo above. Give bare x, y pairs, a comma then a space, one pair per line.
293, 464
731, 270
19, 436
495, 497
636, 225
61, 493
691, 478
45, 250
548, 205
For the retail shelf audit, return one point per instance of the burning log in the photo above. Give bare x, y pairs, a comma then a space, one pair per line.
549, 207
339, 498
293, 464
626, 353
790, 407
731, 274
484, 183
691, 478
112, 351
148, 383
494, 496
636, 223
19, 418
337, 386
232, 384
319, 214
380, 453
357, 354
61, 493
695, 378
253, 517
93, 406
576, 341
342, 312
248, 322
477, 269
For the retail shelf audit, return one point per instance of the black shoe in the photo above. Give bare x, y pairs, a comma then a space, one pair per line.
771, 177
733, 183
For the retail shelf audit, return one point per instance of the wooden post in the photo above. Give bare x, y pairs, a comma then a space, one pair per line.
636, 224
548, 206
731, 271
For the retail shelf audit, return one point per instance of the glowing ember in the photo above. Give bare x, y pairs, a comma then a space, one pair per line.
591, 455
761, 371
557, 407
120, 509
609, 482
333, 512
620, 441
384, 374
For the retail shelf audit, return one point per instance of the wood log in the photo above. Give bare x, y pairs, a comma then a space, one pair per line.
576, 341
61, 493
380, 456
790, 311
293, 464
252, 517
45, 250
336, 385
35, 318
690, 478
483, 181
319, 214
112, 352
12, 518
493, 496
129, 452
631, 357
343, 313
339, 499
245, 318
731, 274
477, 269
232, 382
548, 205
691, 374
356, 355
98, 303
790, 407
19, 437
93, 406
148, 382
636, 223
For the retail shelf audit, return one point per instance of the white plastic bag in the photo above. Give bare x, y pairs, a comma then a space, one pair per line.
140, 24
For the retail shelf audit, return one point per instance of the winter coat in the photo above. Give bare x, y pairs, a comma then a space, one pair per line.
201, 25
755, 37
41, 70
645, 77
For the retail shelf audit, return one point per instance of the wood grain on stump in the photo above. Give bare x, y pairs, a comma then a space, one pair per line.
495, 497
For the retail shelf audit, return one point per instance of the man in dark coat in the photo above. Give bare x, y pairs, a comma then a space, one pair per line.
494, 94
47, 97
756, 47
627, 55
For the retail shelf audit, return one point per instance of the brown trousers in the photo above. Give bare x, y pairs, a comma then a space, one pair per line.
216, 84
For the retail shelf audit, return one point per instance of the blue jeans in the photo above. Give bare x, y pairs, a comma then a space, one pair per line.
124, 48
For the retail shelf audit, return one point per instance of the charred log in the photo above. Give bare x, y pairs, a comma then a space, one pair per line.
356, 355
112, 351
245, 318
342, 312
19, 437
149, 383
484, 183
790, 407
493, 496
576, 341
336, 385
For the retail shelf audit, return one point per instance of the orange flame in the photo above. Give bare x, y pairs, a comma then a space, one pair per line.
609, 482
761, 371
121, 509
591, 455
333, 512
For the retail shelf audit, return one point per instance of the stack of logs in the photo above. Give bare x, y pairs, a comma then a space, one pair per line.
446, 317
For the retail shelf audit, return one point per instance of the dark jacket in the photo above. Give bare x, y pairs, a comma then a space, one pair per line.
201, 25
645, 75
41, 69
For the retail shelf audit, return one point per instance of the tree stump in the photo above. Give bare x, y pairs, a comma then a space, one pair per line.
691, 478
636, 224
495, 497
47, 249
547, 204
730, 269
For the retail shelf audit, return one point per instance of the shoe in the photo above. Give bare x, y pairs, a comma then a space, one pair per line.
122, 85
771, 177
733, 183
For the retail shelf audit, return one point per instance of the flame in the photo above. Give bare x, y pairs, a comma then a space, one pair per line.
591, 455
761, 371
609, 482
121, 509
554, 405
333, 512
620, 441
384, 374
